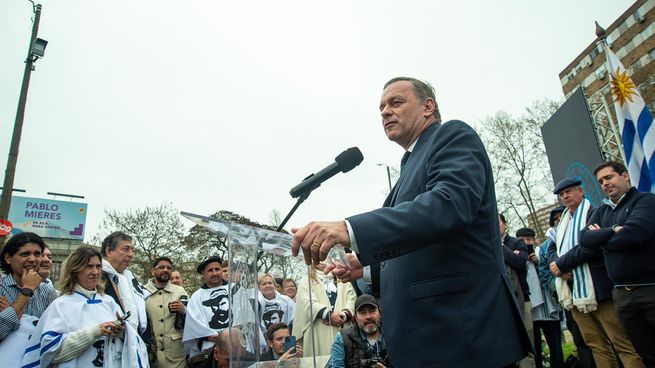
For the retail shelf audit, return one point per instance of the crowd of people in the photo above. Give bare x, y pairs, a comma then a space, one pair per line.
593, 271
101, 315
456, 289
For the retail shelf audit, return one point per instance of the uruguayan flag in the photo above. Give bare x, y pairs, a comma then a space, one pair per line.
635, 122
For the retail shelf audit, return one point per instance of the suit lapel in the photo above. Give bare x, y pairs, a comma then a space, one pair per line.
409, 165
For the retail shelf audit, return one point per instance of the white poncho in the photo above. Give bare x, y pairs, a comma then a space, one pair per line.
73, 312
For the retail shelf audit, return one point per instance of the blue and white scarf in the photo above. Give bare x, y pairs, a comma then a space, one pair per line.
583, 296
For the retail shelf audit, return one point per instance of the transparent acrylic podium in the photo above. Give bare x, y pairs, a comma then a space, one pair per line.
245, 245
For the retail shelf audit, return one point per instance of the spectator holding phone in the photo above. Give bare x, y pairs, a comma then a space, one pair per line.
281, 344
84, 327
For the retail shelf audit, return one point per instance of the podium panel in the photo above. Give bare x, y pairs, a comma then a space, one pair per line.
246, 246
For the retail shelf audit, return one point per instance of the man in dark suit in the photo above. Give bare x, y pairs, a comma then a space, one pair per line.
446, 298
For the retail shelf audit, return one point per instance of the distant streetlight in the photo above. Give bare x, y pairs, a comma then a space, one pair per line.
71, 196
34, 52
388, 174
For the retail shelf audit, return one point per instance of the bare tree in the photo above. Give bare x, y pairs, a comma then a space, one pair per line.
521, 173
157, 231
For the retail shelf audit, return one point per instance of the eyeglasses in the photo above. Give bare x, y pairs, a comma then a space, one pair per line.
170, 268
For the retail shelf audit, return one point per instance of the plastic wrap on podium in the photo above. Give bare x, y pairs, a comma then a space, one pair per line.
247, 244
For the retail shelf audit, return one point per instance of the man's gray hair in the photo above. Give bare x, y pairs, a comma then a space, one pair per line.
112, 240
423, 91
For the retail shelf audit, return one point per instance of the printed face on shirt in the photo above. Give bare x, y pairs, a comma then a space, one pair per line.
614, 184
403, 115
176, 278
162, 271
272, 316
88, 276
28, 257
121, 257
267, 288
572, 197
368, 319
213, 274
220, 306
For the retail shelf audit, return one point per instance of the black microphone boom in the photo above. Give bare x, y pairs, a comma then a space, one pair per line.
346, 161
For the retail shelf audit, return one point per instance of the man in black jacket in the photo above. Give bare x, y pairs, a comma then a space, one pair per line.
625, 230
515, 254
591, 306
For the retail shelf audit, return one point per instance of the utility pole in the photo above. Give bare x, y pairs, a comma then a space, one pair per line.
5, 200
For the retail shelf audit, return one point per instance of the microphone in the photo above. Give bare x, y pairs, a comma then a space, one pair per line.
179, 319
344, 162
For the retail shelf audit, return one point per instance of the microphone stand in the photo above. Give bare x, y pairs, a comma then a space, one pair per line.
301, 199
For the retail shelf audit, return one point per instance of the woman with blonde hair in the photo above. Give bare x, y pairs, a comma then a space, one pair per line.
273, 306
84, 327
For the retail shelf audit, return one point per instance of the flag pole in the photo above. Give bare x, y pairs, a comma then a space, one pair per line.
602, 42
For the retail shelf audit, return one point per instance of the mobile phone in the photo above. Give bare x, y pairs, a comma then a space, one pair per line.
125, 316
289, 343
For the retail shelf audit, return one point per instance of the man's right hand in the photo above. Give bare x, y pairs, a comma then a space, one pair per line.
31, 279
345, 274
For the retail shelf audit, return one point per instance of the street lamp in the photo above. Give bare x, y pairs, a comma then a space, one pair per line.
34, 52
388, 174
38, 49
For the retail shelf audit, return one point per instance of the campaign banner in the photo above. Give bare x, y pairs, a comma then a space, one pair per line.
48, 218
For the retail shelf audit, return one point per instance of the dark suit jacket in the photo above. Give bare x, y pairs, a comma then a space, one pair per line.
446, 298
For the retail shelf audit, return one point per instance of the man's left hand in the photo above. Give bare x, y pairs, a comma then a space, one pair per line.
317, 238
554, 269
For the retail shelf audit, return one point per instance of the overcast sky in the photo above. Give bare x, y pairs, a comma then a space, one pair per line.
217, 105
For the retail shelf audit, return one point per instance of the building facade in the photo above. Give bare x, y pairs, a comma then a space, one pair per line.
632, 39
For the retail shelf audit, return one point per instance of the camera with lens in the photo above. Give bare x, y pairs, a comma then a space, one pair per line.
371, 362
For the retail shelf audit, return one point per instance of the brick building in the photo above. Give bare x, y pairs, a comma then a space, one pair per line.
632, 39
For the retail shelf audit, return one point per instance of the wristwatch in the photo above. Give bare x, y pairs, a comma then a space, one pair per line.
27, 292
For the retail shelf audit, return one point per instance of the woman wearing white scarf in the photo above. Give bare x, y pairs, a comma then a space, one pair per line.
80, 328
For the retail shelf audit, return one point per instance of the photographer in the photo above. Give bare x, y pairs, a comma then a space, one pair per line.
362, 345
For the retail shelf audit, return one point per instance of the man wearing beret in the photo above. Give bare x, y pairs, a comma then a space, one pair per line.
583, 286
208, 308
625, 229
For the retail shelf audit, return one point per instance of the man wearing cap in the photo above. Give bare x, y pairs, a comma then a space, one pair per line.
207, 313
361, 345
583, 286
625, 229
